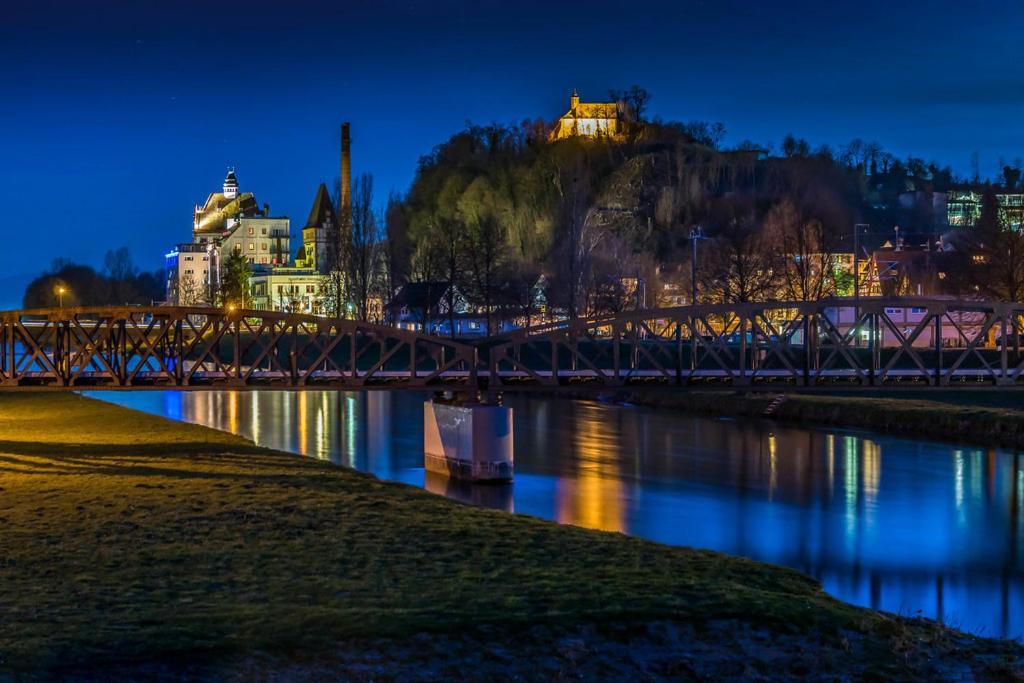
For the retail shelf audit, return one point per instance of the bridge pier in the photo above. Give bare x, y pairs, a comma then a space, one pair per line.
465, 438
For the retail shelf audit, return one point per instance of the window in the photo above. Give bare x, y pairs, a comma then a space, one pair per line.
264, 231
252, 247
917, 311
280, 289
310, 289
263, 247
252, 231
188, 258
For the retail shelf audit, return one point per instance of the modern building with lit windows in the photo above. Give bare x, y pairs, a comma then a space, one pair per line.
963, 208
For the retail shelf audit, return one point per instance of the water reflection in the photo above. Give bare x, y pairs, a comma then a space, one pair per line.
911, 527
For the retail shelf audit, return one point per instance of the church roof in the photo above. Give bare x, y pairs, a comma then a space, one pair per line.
593, 110
322, 211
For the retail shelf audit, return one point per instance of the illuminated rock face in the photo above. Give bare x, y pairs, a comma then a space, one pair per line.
472, 441
588, 119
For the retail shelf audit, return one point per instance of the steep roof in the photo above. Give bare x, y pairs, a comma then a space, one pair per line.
219, 208
594, 110
322, 211
419, 295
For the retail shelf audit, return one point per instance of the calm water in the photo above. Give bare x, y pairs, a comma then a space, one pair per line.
900, 525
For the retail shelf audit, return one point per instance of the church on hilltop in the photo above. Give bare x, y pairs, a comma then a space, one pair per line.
589, 119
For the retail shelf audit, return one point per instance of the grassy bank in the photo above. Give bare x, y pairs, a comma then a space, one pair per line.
129, 538
984, 418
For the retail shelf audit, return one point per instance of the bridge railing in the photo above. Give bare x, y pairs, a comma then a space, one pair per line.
113, 347
875, 342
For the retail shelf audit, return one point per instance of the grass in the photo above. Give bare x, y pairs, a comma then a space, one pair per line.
127, 537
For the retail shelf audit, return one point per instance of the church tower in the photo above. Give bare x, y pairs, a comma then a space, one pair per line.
231, 185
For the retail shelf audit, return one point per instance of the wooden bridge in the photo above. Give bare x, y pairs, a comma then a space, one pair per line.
875, 342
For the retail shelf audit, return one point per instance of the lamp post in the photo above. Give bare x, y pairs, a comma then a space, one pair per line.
696, 234
60, 295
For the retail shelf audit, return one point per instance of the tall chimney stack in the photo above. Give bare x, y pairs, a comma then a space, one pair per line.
345, 200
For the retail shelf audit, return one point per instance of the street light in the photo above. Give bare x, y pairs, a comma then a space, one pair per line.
696, 234
60, 294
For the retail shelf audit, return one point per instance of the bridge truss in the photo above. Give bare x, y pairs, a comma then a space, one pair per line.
204, 347
874, 342
871, 342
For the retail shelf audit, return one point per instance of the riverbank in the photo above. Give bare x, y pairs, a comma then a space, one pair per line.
980, 417
139, 547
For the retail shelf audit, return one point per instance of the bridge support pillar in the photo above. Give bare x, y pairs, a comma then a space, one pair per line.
467, 439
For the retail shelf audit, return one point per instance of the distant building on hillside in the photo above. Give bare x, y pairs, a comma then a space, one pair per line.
964, 208
588, 119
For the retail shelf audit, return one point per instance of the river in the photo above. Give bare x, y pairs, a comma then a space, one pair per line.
907, 526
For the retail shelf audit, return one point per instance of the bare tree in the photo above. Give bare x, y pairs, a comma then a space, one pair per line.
362, 251
805, 261
485, 252
739, 264
635, 98
1001, 271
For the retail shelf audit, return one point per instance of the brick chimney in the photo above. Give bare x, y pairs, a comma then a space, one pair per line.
345, 199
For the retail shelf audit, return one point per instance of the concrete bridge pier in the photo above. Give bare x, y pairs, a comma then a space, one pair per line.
466, 438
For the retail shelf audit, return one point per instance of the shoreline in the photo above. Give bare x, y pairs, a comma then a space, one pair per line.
911, 414
132, 540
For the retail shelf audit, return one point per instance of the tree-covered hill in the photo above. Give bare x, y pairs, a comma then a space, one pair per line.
494, 207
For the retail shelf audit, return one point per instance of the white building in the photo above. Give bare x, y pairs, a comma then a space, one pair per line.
296, 290
232, 222
192, 274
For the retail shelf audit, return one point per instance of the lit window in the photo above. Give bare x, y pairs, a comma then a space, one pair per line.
252, 247
252, 231
263, 247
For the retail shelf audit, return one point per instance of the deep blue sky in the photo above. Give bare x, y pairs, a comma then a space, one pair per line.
116, 117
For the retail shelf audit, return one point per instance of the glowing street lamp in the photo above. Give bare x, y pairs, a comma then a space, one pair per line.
60, 294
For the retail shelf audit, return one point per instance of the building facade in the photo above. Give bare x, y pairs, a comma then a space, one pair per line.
588, 119
963, 208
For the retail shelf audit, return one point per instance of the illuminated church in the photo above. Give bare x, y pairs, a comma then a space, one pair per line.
588, 119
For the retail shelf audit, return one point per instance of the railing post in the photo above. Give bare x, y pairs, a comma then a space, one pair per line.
616, 351
807, 348
939, 379
1003, 378
743, 380
679, 354
237, 347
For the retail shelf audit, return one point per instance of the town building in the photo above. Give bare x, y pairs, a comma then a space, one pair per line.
230, 222
292, 289
264, 241
588, 119
192, 274
964, 208
222, 210
317, 234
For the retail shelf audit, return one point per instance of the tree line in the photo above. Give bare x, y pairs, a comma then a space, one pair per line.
119, 282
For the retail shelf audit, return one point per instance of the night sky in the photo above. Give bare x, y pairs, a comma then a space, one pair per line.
117, 117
